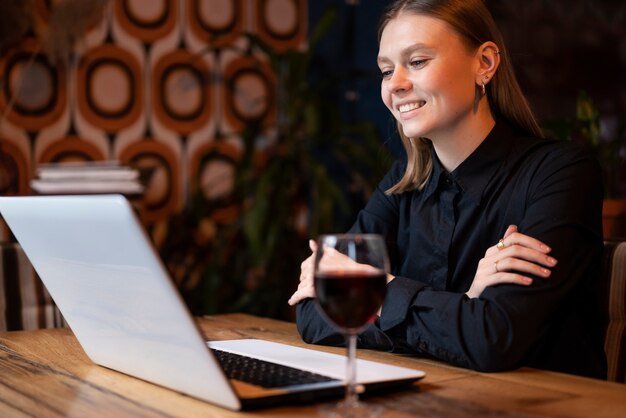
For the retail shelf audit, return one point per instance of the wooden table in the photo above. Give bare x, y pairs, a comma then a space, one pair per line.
46, 374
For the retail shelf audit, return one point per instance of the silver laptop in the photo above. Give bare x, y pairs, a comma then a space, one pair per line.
100, 268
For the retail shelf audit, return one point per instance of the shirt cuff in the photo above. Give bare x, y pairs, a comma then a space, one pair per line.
400, 294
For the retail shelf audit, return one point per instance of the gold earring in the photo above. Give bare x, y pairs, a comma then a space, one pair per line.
485, 78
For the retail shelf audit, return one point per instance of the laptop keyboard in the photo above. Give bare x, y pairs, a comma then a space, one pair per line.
264, 373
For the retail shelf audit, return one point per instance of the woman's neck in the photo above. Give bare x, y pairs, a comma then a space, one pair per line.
456, 145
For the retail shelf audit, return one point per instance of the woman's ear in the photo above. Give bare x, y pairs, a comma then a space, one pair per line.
488, 55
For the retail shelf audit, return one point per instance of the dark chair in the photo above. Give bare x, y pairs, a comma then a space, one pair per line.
615, 340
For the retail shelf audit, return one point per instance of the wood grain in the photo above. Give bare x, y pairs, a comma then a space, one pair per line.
45, 373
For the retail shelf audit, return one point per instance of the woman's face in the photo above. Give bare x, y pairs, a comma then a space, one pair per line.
428, 77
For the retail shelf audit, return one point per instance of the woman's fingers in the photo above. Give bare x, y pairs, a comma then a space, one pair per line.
519, 259
517, 238
331, 260
490, 273
525, 253
511, 278
510, 230
512, 238
520, 266
305, 287
510, 259
302, 293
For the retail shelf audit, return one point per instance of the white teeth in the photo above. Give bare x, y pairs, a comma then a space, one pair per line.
410, 106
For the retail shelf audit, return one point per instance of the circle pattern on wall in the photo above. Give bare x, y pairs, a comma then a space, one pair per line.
35, 89
109, 88
148, 20
212, 170
183, 101
281, 23
13, 169
218, 22
212, 173
70, 149
163, 187
249, 92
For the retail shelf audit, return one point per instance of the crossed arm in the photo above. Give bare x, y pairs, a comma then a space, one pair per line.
504, 262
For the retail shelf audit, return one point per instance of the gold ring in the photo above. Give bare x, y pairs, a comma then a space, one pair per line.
500, 245
495, 265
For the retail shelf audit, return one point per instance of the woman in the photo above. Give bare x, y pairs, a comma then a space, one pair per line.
479, 212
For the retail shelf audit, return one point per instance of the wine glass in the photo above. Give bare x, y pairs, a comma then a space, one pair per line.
350, 282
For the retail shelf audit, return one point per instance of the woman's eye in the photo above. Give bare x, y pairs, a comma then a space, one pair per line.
386, 74
418, 63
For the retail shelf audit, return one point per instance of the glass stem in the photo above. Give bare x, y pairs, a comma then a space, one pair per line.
351, 392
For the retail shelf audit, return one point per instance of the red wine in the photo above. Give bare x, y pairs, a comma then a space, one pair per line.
350, 299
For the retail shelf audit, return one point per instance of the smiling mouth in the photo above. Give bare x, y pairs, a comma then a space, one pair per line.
411, 106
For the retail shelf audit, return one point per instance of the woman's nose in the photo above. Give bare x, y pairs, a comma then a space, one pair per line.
399, 81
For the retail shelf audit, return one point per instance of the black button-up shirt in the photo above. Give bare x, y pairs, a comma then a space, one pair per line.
553, 192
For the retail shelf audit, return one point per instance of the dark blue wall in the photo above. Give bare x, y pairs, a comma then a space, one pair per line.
349, 53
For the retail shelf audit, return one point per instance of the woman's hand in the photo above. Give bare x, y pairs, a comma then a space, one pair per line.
504, 261
305, 288
331, 260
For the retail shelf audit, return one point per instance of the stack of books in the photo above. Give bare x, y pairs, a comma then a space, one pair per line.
86, 178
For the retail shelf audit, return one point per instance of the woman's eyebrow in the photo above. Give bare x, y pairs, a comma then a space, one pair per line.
406, 51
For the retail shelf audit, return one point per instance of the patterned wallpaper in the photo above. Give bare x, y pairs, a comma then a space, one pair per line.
152, 85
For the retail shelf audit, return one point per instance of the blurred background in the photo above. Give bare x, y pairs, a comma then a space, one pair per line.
257, 124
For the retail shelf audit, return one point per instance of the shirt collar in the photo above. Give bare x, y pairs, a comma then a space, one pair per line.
474, 173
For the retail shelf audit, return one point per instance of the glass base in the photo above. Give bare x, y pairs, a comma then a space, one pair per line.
356, 409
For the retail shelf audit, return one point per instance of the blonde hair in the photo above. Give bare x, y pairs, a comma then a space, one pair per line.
474, 23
